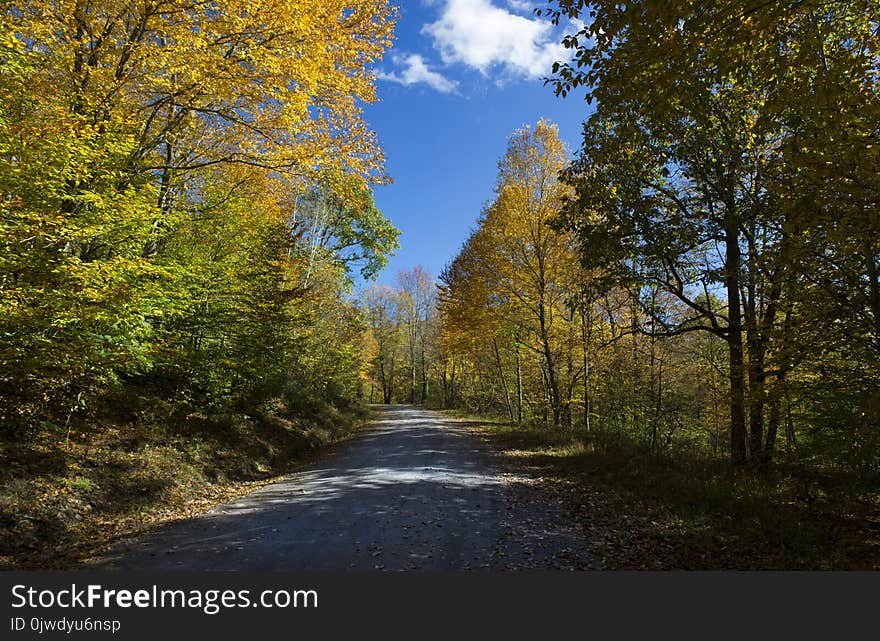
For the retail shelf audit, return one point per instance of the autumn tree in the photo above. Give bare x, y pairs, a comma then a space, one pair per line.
184, 187
688, 171
513, 280
470, 319
533, 263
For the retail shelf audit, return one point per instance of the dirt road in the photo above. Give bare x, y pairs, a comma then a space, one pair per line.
413, 492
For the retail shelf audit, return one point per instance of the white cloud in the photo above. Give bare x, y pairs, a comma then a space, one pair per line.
415, 71
481, 35
522, 5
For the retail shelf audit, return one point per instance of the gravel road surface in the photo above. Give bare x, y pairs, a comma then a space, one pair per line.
415, 491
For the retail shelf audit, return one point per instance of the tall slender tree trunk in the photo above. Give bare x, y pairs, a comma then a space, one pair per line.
152, 246
585, 337
503, 378
568, 410
412, 369
424, 375
519, 385
735, 339
773, 420
386, 384
546, 408
654, 382
790, 436
452, 390
716, 424
550, 371
389, 394
755, 351
757, 393
775, 417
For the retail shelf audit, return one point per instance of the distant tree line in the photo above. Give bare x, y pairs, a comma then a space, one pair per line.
400, 347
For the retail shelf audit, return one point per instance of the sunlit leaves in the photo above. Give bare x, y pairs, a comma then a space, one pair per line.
154, 157
513, 278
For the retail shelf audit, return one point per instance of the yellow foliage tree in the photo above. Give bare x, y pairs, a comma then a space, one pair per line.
516, 273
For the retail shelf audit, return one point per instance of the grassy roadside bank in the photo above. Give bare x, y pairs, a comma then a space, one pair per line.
62, 501
639, 512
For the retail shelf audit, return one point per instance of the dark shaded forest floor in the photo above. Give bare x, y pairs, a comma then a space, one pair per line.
639, 512
61, 502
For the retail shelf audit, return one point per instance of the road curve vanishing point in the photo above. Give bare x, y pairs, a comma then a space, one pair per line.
413, 492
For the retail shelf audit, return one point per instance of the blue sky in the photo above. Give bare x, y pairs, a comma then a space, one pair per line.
461, 77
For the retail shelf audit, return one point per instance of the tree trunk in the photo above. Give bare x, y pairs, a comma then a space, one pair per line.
790, 436
546, 386
503, 379
550, 372
756, 396
412, 369
654, 381
772, 430
424, 377
567, 417
452, 398
386, 384
735, 340
519, 386
585, 340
